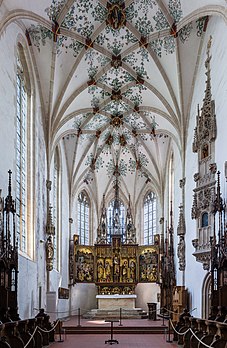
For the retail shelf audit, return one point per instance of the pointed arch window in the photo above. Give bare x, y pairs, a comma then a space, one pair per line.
21, 152
171, 182
110, 217
56, 206
83, 208
24, 156
21, 158
150, 207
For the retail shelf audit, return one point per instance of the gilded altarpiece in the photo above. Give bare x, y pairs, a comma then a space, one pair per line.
115, 268
84, 264
148, 264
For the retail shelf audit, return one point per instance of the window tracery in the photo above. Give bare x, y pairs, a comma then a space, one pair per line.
83, 208
56, 206
149, 207
24, 155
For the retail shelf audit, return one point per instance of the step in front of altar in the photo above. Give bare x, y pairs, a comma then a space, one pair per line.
135, 313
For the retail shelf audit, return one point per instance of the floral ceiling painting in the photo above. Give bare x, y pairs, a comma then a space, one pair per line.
113, 73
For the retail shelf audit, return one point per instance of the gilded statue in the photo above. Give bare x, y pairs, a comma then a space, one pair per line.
125, 271
100, 271
107, 271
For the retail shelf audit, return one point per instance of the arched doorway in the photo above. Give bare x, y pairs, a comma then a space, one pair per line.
206, 296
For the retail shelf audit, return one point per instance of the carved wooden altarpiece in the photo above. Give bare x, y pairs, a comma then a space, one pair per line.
115, 268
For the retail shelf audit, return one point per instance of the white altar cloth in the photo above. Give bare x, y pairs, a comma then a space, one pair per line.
116, 301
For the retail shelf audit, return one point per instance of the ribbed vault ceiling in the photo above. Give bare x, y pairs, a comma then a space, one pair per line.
115, 80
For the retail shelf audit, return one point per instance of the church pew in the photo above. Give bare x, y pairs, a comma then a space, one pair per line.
209, 332
24, 333
17, 334
9, 332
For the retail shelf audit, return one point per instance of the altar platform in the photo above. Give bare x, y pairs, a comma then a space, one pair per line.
99, 326
96, 314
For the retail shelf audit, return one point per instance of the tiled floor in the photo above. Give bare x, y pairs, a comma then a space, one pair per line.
73, 321
125, 340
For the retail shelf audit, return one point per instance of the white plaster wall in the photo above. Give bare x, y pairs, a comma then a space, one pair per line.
59, 276
32, 272
83, 296
147, 292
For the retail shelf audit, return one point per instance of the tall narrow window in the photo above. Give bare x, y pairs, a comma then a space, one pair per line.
110, 216
149, 218
24, 157
56, 206
83, 217
171, 182
21, 157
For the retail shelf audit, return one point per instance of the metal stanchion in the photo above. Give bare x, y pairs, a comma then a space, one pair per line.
59, 331
78, 325
169, 340
120, 317
163, 324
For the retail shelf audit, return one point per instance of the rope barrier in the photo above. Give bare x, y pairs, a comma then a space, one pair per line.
184, 333
53, 328
156, 310
73, 310
31, 337
39, 328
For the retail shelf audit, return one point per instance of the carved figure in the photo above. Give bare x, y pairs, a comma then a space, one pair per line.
132, 267
116, 269
125, 271
100, 271
205, 151
116, 223
49, 254
181, 253
107, 271
49, 248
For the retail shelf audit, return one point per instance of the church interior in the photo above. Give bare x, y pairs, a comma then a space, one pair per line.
114, 182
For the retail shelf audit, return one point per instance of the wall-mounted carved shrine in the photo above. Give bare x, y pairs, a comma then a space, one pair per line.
204, 146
